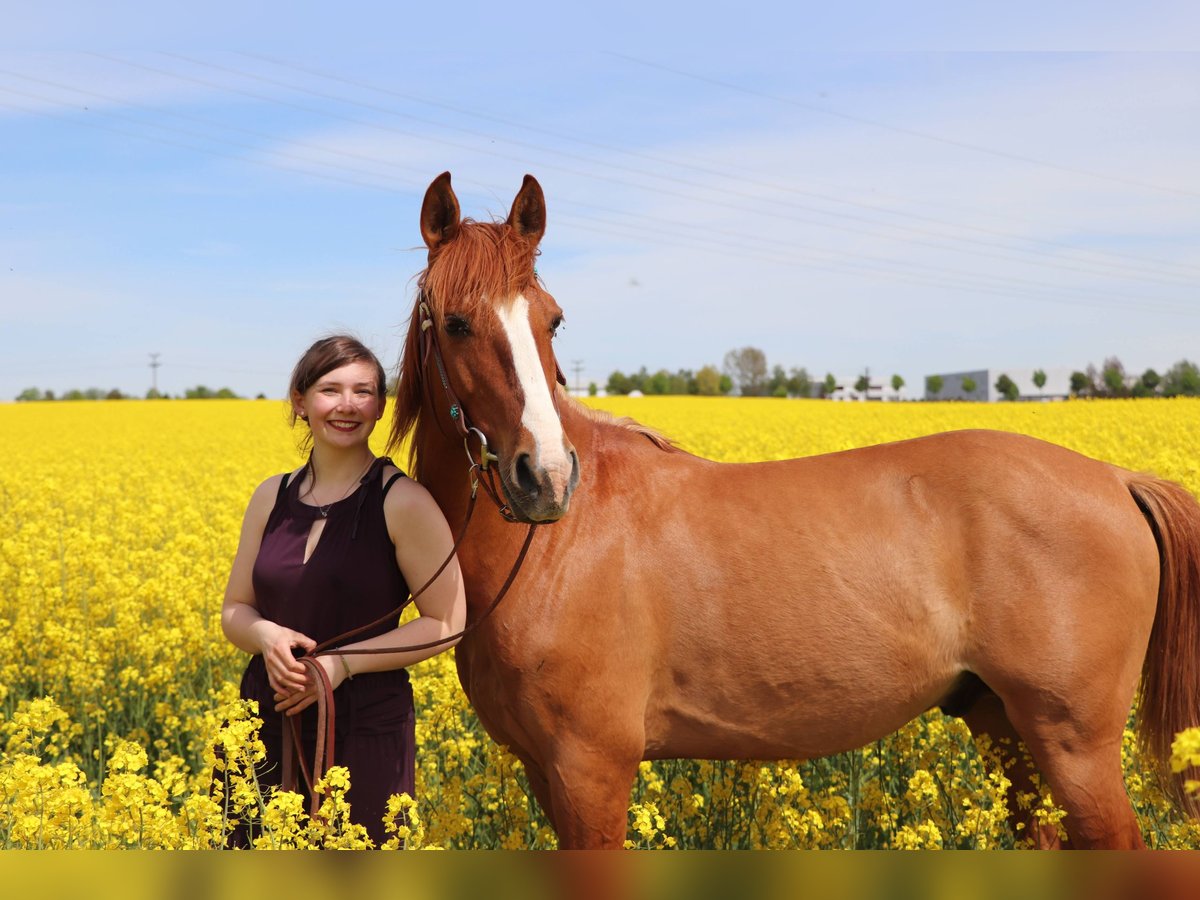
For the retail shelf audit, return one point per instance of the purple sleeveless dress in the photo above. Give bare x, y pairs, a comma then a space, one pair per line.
350, 579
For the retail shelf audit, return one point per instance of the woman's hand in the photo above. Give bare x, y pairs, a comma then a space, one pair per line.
286, 674
297, 701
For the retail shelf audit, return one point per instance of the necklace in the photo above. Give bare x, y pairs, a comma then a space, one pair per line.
324, 510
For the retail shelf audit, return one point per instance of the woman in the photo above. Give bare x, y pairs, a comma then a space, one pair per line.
325, 549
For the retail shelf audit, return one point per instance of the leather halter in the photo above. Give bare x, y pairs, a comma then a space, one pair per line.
479, 473
431, 348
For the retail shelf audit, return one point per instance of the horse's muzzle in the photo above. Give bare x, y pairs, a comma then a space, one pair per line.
540, 493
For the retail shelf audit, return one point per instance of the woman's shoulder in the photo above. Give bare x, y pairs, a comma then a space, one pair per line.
388, 472
265, 495
406, 501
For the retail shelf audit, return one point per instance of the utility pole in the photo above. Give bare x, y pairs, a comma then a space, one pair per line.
577, 367
154, 364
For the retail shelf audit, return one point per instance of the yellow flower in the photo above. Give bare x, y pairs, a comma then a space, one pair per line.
119, 691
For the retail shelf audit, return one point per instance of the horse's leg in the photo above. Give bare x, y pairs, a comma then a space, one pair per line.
540, 787
986, 718
1081, 760
1088, 782
589, 789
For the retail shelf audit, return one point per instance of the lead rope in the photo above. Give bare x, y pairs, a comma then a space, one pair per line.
293, 750
480, 474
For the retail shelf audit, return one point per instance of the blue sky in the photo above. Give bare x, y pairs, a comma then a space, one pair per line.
932, 190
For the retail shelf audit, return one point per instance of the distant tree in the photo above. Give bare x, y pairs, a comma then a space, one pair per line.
897, 383
73, 394
776, 385
114, 394
658, 383
392, 384
619, 383
1079, 383
1150, 380
260, 396
1007, 388
226, 394
934, 384
708, 381
829, 385
1182, 380
93, 393
1113, 376
153, 394
725, 384
49, 395
863, 384
968, 385
1039, 380
593, 389
29, 395
799, 384
199, 392
748, 369
680, 383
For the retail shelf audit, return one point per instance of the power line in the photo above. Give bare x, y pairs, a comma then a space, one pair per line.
703, 169
912, 132
957, 284
1141, 268
183, 145
723, 246
854, 268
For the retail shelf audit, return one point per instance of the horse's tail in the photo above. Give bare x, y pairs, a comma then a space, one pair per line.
1170, 689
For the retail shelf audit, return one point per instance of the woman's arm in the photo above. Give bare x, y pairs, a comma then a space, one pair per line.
423, 541
240, 620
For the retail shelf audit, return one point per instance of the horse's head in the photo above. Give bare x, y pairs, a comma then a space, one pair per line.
494, 324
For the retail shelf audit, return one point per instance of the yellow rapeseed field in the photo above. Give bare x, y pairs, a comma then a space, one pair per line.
118, 696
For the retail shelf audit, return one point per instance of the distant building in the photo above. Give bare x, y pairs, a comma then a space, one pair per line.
846, 390
1057, 386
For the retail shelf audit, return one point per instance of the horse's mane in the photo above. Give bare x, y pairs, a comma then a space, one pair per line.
604, 417
482, 262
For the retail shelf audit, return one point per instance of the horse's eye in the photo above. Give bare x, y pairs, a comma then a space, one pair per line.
555, 324
457, 326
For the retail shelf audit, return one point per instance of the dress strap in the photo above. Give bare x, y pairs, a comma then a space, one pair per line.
283, 483
392, 481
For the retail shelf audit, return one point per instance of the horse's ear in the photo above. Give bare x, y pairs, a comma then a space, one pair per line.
528, 214
439, 213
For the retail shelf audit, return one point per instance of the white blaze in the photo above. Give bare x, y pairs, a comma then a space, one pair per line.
538, 416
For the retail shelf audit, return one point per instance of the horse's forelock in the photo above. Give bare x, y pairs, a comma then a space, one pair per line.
485, 263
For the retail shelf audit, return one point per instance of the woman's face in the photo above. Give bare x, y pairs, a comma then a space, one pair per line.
343, 405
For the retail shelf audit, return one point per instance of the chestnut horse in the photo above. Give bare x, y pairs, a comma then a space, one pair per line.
794, 609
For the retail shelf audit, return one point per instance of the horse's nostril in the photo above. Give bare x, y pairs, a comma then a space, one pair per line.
525, 478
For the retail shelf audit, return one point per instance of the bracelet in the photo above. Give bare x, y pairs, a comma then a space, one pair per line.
346, 666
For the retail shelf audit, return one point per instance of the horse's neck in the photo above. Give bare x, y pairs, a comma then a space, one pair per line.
444, 473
